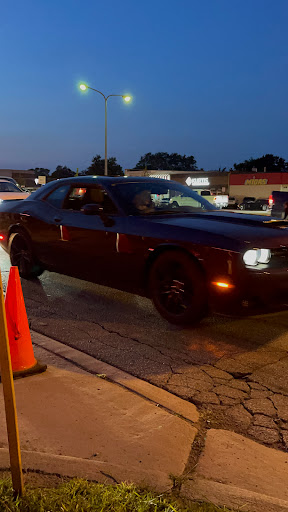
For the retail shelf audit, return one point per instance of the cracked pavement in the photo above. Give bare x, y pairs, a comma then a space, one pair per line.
234, 370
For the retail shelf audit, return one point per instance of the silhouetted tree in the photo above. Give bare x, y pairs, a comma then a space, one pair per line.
40, 171
271, 162
97, 167
62, 172
166, 161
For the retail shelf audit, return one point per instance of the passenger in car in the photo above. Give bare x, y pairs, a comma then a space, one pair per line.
143, 202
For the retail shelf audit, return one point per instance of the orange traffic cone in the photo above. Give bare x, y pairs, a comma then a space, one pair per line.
21, 350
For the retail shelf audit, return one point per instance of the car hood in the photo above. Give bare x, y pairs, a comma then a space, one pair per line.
242, 228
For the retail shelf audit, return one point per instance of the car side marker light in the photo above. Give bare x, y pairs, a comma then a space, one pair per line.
223, 284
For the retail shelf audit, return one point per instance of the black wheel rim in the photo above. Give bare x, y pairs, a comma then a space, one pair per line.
20, 255
174, 289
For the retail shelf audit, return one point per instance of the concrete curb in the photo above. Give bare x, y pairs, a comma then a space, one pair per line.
232, 471
237, 472
232, 497
171, 403
74, 467
74, 423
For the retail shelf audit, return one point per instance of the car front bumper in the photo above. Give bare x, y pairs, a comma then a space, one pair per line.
256, 292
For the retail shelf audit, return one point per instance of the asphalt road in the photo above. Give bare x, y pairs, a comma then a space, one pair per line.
195, 363
125, 330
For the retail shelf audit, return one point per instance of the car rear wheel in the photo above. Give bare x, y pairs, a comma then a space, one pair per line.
21, 256
265, 207
177, 288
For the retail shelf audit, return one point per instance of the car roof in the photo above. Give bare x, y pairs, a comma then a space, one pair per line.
92, 180
7, 178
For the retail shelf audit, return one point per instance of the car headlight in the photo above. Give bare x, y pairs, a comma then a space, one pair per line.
255, 256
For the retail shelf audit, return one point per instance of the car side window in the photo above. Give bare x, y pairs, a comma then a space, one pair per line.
8, 187
75, 199
56, 198
79, 196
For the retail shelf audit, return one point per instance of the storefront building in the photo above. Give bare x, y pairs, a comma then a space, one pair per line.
259, 185
216, 182
23, 178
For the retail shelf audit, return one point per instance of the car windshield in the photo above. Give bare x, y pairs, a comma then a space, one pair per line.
158, 197
8, 186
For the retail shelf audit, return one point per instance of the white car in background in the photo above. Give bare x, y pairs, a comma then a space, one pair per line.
9, 191
220, 201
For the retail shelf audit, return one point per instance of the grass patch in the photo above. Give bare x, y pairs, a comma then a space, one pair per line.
82, 496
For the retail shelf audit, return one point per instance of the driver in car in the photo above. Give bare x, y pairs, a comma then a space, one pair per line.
143, 202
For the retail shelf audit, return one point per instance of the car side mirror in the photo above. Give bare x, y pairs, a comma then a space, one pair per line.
97, 209
92, 209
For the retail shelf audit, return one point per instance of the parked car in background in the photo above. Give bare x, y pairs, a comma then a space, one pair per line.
256, 205
246, 200
277, 202
218, 200
8, 178
232, 203
9, 191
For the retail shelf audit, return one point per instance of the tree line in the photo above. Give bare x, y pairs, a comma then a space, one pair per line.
163, 161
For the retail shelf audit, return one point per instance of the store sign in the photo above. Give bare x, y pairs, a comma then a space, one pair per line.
254, 181
163, 176
197, 182
42, 180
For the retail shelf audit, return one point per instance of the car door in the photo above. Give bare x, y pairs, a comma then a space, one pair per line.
104, 247
87, 244
40, 219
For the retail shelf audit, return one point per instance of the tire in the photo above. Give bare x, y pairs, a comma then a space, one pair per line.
175, 204
177, 288
264, 207
21, 256
242, 207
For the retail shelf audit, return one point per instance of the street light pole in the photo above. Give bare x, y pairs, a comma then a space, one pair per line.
83, 87
106, 161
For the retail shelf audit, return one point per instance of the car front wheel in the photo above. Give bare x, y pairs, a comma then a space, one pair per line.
177, 288
21, 256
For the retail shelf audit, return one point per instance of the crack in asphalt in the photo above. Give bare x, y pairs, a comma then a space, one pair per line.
123, 349
136, 340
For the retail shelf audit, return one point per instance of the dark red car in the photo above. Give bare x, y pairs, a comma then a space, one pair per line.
129, 234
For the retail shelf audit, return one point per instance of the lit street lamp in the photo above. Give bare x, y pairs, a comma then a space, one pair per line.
83, 87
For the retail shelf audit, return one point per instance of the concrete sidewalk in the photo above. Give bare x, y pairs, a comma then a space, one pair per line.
78, 424
85, 418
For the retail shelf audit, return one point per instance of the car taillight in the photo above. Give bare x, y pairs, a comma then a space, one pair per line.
271, 201
1, 237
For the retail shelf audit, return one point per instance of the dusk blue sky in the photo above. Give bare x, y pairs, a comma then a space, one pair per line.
208, 78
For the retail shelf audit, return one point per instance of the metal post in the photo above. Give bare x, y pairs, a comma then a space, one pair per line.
105, 98
106, 163
9, 401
